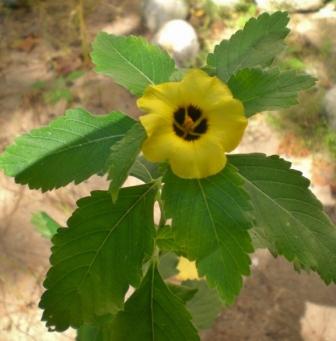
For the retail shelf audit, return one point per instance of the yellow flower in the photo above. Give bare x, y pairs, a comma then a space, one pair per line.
191, 124
187, 270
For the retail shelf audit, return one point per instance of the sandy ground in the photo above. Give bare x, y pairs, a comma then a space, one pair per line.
276, 303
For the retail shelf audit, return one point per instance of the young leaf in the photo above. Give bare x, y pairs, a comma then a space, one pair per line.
256, 45
261, 90
98, 256
204, 306
131, 61
210, 224
289, 218
122, 156
71, 148
44, 224
153, 313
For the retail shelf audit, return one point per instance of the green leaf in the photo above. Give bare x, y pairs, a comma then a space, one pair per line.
168, 265
131, 61
144, 170
153, 312
44, 224
88, 333
123, 155
289, 218
205, 306
98, 256
261, 90
71, 148
165, 239
210, 224
98, 331
185, 293
257, 44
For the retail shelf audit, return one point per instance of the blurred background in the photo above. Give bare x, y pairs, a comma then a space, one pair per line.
45, 68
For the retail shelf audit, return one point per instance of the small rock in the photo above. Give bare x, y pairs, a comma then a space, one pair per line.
123, 26
180, 40
330, 106
290, 5
157, 12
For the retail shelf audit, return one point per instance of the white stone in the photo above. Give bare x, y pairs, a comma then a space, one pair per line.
157, 12
180, 40
330, 106
290, 5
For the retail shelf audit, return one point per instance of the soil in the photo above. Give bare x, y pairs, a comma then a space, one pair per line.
276, 303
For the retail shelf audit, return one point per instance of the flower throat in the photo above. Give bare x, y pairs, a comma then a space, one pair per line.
189, 123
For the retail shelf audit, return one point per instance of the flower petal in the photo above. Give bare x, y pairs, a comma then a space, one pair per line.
187, 270
202, 90
161, 99
197, 159
228, 122
156, 122
157, 147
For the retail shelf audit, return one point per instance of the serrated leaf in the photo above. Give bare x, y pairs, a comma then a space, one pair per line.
144, 170
261, 90
131, 61
122, 156
205, 306
153, 312
98, 256
70, 148
210, 225
44, 224
257, 44
289, 218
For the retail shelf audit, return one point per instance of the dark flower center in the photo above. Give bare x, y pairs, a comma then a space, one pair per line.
189, 123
